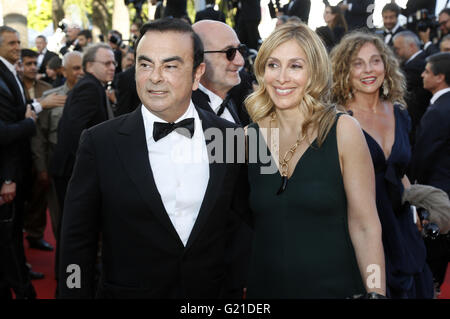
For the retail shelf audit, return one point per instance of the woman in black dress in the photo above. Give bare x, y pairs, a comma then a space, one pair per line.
367, 81
316, 230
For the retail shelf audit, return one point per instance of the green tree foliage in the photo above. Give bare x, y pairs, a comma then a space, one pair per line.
39, 14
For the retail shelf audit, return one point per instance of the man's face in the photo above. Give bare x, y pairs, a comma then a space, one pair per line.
40, 44
445, 46
10, 47
430, 80
73, 70
444, 23
402, 49
164, 73
72, 33
220, 74
29, 68
389, 19
82, 41
104, 66
134, 30
128, 60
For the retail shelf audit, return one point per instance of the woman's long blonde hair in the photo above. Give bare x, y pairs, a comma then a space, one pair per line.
318, 113
341, 59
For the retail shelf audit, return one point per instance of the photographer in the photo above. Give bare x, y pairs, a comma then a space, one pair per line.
116, 43
72, 32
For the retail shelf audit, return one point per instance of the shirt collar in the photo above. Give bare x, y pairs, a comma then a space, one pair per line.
214, 100
414, 55
394, 29
438, 94
150, 118
9, 65
43, 51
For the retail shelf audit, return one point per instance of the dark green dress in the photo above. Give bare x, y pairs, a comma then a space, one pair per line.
302, 247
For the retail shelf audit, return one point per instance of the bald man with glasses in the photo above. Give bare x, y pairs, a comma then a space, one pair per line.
224, 59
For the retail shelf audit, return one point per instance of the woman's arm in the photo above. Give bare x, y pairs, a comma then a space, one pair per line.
363, 222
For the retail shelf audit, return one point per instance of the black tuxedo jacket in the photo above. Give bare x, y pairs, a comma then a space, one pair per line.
112, 191
85, 107
431, 155
357, 17
127, 97
210, 14
300, 9
391, 41
417, 97
175, 8
201, 100
47, 56
15, 156
250, 10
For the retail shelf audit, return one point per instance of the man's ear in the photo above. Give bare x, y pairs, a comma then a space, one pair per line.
441, 77
198, 75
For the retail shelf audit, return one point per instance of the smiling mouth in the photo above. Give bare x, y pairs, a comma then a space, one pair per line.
157, 93
283, 92
369, 81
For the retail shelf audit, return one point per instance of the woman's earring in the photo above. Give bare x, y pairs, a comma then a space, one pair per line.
350, 95
385, 89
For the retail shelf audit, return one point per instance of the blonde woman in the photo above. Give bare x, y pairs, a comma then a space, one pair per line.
316, 229
367, 81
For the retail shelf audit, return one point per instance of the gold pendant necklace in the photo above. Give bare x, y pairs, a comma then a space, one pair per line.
284, 162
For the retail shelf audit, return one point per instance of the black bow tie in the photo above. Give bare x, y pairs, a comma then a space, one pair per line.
184, 127
226, 103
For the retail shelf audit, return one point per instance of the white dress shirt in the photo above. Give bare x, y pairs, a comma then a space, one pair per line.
40, 58
214, 102
180, 169
391, 32
438, 94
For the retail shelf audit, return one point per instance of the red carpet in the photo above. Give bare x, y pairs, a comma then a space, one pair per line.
43, 261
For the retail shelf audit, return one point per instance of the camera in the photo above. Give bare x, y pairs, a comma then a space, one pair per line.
63, 26
421, 21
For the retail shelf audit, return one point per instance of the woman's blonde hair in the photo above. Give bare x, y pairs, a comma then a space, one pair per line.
341, 59
319, 114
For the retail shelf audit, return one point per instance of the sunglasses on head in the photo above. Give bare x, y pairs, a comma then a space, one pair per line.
231, 52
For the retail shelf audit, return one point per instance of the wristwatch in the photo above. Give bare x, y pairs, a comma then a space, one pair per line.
7, 182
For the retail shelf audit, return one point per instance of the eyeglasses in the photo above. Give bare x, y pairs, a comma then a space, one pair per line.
108, 63
231, 52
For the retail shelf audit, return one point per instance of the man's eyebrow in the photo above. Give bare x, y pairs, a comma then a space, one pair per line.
166, 60
145, 58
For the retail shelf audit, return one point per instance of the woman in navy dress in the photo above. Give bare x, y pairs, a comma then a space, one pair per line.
368, 83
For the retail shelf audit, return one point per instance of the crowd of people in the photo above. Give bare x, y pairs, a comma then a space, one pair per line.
175, 165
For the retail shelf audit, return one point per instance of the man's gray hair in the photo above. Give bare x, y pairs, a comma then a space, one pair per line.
91, 52
409, 37
70, 54
5, 28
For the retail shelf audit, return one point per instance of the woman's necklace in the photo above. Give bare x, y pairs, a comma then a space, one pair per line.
284, 162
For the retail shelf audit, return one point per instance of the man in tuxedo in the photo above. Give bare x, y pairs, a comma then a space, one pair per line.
407, 48
209, 13
15, 164
298, 8
175, 8
43, 58
358, 13
167, 216
431, 155
248, 17
222, 71
391, 24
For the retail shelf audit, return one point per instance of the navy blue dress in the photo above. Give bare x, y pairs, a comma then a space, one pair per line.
407, 274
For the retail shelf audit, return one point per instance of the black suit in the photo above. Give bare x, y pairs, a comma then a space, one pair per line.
431, 155
417, 98
299, 8
47, 57
248, 17
359, 15
175, 8
15, 165
142, 254
127, 97
210, 14
391, 41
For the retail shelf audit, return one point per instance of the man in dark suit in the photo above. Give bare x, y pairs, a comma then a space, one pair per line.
209, 13
43, 58
407, 48
248, 17
431, 154
167, 221
358, 13
391, 24
221, 73
298, 8
15, 164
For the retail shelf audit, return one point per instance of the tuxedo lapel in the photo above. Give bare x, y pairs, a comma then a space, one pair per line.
12, 84
216, 176
132, 148
201, 100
